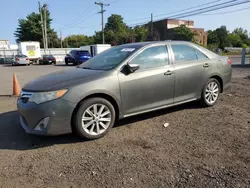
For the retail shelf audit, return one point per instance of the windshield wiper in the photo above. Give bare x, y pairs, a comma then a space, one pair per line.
86, 68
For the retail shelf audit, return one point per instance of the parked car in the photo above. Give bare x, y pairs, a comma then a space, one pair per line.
47, 59
77, 57
20, 60
120, 82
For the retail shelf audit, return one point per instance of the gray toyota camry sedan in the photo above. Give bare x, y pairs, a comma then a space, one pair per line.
122, 81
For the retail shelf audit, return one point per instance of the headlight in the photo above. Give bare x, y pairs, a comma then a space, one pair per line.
39, 98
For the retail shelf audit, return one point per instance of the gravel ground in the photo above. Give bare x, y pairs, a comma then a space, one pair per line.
201, 147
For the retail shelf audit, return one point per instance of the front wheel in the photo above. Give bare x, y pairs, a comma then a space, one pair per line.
94, 118
210, 93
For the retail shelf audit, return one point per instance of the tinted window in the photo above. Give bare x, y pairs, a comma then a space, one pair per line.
48, 56
20, 56
83, 52
71, 52
200, 55
152, 57
183, 53
109, 58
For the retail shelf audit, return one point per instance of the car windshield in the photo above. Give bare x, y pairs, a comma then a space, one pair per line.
108, 59
48, 56
21, 56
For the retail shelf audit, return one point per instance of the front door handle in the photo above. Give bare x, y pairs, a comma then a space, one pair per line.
168, 73
206, 65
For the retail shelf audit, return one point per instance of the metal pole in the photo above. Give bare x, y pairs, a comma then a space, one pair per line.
103, 39
41, 13
102, 12
243, 56
45, 25
61, 38
152, 25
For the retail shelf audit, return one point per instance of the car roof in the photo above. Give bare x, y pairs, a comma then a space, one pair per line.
137, 45
141, 44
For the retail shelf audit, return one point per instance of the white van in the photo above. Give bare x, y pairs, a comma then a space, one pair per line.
31, 49
96, 48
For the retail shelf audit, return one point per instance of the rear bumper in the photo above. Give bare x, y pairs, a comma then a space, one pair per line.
227, 81
47, 62
19, 63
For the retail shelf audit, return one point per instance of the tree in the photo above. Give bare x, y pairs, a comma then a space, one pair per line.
234, 40
212, 37
140, 33
75, 41
184, 33
222, 37
243, 34
30, 29
98, 37
116, 31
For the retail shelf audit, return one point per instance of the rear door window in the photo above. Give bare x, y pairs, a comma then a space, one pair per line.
183, 53
200, 55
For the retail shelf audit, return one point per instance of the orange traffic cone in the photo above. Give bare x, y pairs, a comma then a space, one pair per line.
16, 86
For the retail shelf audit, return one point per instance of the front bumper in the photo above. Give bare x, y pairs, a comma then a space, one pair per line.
49, 118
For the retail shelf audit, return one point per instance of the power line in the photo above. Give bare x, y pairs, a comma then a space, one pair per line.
116, 1
219, 13
189, 8
74, 26
78, 18
216, 8
81, 17
196, 12
216, 5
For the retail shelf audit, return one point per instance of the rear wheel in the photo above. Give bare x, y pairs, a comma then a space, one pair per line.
211, 92
94, 118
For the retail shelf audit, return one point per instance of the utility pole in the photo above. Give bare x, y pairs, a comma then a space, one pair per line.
151, 28
102, 12
45, 25
41, 13
61, 38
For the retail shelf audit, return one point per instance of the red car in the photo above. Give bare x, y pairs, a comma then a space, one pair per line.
47, 59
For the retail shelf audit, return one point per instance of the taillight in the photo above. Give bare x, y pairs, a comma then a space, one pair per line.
17, 59
45, 59
27, 58
229, 61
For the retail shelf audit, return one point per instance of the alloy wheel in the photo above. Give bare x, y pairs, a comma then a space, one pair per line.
96, 119
212, 92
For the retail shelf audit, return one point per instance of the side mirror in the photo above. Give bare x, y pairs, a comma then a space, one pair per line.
133, 67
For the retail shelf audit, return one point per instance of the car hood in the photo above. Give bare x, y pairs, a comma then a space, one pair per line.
62, 79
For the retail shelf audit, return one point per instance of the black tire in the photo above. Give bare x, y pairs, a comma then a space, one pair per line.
74, 62
203, 100
77, 121
66, 62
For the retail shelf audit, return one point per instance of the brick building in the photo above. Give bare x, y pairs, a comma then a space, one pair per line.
164, 30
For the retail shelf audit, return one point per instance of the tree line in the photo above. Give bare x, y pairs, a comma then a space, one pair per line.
221, 38
118, 32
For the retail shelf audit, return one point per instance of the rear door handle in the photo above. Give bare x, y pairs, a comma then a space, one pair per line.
168, 73
206, 65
